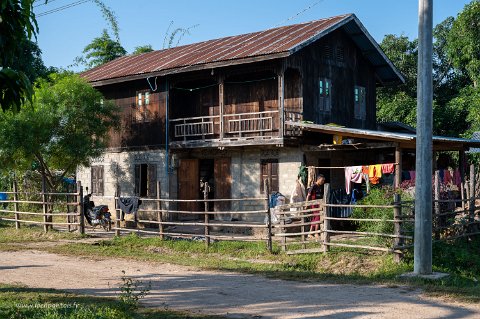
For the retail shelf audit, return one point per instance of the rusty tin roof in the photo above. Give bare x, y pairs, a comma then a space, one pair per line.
268, 44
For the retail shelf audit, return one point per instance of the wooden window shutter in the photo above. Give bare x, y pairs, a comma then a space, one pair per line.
100, 181
269, 171
97, 180
152, 180
137, 179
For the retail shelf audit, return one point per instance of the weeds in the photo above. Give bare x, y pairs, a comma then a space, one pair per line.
131, 293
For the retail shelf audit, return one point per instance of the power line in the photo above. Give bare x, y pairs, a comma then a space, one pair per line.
298, 13
67, 6
43, 3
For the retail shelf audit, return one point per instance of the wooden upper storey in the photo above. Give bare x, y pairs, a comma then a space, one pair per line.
327, 75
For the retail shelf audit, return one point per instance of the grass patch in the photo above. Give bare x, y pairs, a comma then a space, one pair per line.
18, 302
30, 233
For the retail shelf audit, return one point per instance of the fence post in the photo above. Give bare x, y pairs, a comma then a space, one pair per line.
397, 230
437, 218
326, 221
159, 212
269, 216
117, 212
471, 207
207, 229
284, 232
304, 244
15, 204
44, 204
81, 216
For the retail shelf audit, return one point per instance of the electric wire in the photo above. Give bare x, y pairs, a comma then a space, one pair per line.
298, 13
67, 6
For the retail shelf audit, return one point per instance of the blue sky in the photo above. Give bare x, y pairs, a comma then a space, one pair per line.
64, 34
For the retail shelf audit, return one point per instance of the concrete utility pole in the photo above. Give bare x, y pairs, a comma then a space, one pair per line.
423, 189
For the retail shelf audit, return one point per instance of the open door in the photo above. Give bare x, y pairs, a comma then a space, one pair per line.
188, 186
223, 183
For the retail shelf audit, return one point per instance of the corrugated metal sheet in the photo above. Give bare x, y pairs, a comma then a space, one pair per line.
383, 135
268, 44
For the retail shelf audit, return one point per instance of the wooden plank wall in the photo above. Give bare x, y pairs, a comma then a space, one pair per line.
336, 57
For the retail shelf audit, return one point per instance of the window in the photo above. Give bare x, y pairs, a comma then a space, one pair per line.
360, 105
269, 171
325, 98
340, 53
146, 180
143, 98
97, 180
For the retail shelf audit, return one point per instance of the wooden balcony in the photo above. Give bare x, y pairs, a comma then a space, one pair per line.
255, 128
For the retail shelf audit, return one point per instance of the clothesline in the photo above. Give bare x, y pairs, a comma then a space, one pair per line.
342, 167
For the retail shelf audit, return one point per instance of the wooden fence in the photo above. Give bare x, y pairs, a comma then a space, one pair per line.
48, 209
203, 224
295, 235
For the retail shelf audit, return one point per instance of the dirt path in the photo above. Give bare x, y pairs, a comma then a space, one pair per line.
231, 294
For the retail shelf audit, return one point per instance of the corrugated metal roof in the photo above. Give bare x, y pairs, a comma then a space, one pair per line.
382, 135
268, 44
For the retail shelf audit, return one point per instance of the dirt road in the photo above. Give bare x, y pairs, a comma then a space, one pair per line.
230, 294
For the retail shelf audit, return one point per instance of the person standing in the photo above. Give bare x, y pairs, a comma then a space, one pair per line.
315, 192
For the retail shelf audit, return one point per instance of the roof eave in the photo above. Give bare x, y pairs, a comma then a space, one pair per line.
190, 68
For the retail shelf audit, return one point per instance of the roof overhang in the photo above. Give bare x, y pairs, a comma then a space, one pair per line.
404, 140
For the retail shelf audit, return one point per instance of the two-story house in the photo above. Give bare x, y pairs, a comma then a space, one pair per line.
222, 110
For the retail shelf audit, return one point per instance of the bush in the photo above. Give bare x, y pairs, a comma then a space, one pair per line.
378, 196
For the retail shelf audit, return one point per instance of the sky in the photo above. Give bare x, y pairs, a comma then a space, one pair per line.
64, 34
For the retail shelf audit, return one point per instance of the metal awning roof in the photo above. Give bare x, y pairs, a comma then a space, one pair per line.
269, 44
405, 140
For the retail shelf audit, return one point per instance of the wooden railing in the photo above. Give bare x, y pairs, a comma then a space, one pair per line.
251, 124
194, 126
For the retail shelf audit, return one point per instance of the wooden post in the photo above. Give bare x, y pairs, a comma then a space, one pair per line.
461, 166
117, 212
326, 222
221, 88
44, 204
437, 218
81, 208
284, 232
207, 229
304, 244
471, 207
269, 217
398, 167
397, 216
159, 212
281, 101
68, 200
15, 204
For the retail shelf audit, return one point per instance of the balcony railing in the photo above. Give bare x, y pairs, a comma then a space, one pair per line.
232, 127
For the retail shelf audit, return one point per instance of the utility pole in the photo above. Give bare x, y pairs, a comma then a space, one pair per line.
423, 187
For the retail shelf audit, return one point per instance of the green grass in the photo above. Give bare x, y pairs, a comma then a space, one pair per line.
30, 233
18, 302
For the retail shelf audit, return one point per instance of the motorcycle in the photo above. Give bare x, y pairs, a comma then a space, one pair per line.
96, 215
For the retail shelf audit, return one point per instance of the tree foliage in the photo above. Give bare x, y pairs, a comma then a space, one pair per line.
464, 41
101, 50
16, 25
455, 59
142, 49
66, 125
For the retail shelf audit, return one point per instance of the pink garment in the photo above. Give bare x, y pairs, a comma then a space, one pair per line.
348, 178
447, 177
412, 175
457, 178
388, 168
357, 175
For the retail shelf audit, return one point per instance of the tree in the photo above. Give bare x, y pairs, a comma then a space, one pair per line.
464, 41
142, 49
101, 50
17, 23
66, 125
29, 60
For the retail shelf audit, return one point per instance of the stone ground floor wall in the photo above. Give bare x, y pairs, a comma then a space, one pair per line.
119, 173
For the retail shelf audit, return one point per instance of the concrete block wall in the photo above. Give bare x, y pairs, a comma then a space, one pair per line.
119, 169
